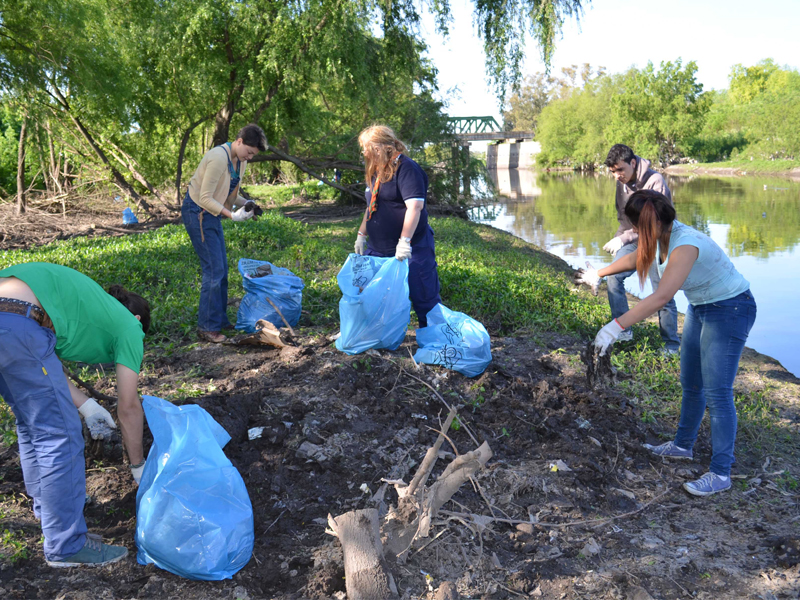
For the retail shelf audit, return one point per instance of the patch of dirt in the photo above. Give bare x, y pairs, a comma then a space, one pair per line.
47, 220
616, 524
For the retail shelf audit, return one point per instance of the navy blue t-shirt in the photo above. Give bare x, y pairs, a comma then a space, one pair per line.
386, 224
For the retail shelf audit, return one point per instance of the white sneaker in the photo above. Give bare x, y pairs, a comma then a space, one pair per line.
625, 336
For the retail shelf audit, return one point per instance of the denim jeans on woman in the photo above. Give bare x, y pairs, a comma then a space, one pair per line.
210, 248
618, 300
714, 335
49, 432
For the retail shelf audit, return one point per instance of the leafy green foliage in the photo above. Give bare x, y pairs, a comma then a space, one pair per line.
657, 113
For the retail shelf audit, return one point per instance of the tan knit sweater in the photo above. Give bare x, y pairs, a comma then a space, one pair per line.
209, 185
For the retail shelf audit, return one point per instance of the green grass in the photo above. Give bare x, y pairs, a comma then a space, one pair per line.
743, 163
280, 195
505, 283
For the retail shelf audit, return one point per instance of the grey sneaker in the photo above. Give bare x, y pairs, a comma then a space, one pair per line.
625, 336
708, 484
669, 351
670, 450
94, 554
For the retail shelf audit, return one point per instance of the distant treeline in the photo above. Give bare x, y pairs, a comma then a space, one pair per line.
663, 114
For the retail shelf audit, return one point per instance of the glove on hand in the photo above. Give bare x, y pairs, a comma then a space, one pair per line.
136, 471
607, 336
588, 276
403, 250
243, 214
98, 419
361, 243
613, 246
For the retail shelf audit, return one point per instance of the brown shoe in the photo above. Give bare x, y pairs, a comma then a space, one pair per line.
215, 337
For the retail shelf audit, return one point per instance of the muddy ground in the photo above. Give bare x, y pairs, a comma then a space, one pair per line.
615, 525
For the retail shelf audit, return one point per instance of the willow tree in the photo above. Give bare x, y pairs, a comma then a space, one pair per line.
62, 55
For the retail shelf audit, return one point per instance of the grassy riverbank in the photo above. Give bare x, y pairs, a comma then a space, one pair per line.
374, 416
511, 286
740, 166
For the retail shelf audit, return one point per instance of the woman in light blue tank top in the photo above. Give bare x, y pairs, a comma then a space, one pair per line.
719, 318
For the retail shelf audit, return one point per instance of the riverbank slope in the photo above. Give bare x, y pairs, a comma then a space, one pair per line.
613, 523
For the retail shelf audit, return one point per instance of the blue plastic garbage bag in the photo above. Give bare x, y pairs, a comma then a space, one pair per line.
374, 310
128, 218
455, 341
283, 287
193, 513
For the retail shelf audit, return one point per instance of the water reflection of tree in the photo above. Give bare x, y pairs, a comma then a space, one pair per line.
763, 214
578, 211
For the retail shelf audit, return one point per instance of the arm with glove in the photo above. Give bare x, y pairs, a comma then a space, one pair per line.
98, 419
131, 418
681, 261
414, 208
361, 238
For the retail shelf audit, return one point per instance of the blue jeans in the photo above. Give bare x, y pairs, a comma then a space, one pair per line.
618, 300
49, 432
713, 339
212, 313
423, 281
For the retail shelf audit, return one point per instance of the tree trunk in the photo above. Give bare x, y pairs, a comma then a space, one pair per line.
222, 121
55, 165
21, 204
119, 178
182, 152
42, 163
365, 572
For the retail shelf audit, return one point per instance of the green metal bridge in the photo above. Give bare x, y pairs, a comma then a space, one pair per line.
461, 125
474, 129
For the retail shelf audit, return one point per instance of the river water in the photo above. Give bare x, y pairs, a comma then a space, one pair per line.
755, 220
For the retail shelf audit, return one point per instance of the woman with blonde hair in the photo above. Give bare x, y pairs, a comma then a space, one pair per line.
395, 222
720, 314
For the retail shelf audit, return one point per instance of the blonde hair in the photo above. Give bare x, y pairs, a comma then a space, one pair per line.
384, 148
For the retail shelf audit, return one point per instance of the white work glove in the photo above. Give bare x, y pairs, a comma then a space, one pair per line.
98, 419
361, 243
242, 214
136, 471
403, 250
588, 276
613, 245
607, 336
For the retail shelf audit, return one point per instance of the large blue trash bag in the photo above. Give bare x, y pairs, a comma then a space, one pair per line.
193, 513
374, 310
282, 286
455, 341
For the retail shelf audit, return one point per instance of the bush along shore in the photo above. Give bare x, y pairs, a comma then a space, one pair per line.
570, 504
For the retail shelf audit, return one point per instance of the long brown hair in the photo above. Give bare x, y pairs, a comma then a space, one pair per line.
646, 209
382, 149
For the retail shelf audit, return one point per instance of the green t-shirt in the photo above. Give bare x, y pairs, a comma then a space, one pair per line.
91, 325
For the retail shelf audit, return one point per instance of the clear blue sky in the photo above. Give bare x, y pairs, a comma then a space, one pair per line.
616, 34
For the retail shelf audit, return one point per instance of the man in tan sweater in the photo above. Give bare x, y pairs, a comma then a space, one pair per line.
633, 173
212, 195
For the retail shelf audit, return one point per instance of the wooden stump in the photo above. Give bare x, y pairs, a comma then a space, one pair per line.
366, 575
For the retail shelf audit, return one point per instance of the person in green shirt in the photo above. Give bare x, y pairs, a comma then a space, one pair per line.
50, 313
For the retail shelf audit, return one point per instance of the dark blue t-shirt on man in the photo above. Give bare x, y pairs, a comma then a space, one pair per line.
386, 224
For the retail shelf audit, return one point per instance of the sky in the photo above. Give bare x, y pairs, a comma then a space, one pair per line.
616, 34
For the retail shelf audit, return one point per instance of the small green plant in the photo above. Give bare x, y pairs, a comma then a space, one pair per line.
456, 424
13, 546
8, 424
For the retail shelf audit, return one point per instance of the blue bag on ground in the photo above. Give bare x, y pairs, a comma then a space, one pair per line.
374, 310
128, 218
193, 513
455, 341
281, 286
